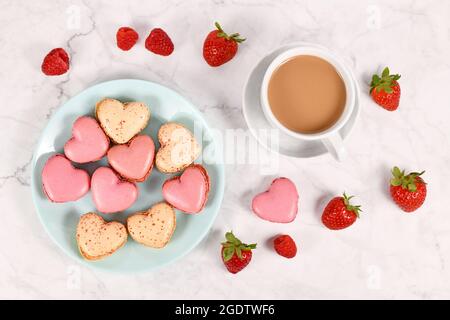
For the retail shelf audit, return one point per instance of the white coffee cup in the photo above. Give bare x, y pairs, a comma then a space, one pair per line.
330, 137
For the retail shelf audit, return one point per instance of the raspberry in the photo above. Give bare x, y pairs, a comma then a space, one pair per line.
126, 38
159, 42
285, 246
56, 62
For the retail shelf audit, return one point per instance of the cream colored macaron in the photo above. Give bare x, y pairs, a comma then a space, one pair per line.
97, 238
154, 227
179, 148
122, 121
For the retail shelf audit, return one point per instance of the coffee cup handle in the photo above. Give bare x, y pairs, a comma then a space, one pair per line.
335, 146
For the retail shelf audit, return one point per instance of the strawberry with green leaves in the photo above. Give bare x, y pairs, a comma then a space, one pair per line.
385, 90
408, 190
340, 213
220, 47
235, 254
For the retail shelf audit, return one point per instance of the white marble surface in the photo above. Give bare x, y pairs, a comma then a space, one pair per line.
386, 254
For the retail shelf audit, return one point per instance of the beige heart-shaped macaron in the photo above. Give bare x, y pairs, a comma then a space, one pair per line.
179, 148
97, 238
154, 227
122, 121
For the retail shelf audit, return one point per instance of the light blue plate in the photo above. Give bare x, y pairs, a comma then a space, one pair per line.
60, 220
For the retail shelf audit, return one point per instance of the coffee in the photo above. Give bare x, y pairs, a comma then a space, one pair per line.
306, 94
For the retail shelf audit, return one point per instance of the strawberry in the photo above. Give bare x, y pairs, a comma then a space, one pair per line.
159, 42
385, 90
219, 47
56, 62
235, 254
285, 246
408, 191
126, 38
339, 213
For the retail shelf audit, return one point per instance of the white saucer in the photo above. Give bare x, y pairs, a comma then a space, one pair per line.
254, 115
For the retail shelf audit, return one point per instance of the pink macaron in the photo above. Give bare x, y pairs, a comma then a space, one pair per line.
62, 182
88, 142
134, 160
188, 192
279, 203
110, 193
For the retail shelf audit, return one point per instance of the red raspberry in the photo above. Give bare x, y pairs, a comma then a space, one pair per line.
126, 38
159, 42
285, 246
56, 62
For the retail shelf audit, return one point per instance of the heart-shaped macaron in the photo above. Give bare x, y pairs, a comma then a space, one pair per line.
97, 238
110, 193
88, 143
178, 148
62, 182
122, 121
279, 203
188, 192
154, 227
133, 161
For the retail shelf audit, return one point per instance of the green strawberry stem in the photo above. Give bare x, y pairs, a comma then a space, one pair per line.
233, 37
407, 181
349, 206
234, 246
385, 82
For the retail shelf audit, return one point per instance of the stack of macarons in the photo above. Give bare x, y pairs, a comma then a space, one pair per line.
116, 135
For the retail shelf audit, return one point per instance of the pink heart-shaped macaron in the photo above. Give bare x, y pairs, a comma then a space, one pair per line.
88, 143
110, 194
188, 192
62, 182
133, 161
279, 203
